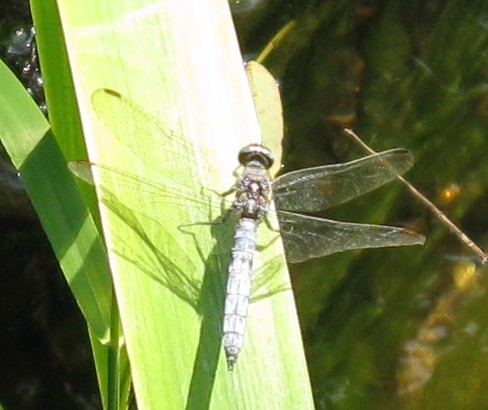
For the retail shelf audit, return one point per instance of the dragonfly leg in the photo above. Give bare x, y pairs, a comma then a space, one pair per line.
260, 248
226, 193
270, 225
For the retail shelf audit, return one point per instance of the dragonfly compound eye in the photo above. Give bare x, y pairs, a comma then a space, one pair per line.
256, 152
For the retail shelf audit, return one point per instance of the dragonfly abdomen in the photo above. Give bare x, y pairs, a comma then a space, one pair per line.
238, 288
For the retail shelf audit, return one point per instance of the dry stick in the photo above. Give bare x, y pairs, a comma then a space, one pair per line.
444, 219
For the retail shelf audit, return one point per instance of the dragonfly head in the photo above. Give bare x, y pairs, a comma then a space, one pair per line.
256, 153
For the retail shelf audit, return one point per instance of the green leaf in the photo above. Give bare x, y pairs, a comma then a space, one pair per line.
27, 137
65, 122
267, 101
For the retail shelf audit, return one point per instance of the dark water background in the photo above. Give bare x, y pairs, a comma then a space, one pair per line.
402, 328
392, 328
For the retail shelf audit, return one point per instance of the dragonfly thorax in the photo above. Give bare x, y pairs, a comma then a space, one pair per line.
252, 196
253, 186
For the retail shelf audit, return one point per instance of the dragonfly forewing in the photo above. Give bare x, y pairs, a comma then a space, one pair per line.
316, 189
163, 149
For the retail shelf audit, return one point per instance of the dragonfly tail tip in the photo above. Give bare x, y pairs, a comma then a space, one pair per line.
231, 360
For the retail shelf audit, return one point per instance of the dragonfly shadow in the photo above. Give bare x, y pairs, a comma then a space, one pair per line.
211, 309
169, 265
154, 260
204, 295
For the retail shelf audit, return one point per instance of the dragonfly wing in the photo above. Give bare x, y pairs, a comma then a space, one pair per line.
145, 225
306, 237
319, 188
160, 147
143, 195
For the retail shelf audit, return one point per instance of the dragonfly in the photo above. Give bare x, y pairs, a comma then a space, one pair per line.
295, 194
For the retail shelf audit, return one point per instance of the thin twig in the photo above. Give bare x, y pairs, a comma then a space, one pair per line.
437, 212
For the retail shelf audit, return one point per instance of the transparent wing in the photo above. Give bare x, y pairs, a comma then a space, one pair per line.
158, 146
146, 196
306, 237
319, 188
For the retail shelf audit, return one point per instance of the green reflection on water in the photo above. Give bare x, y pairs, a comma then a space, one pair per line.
394, 328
